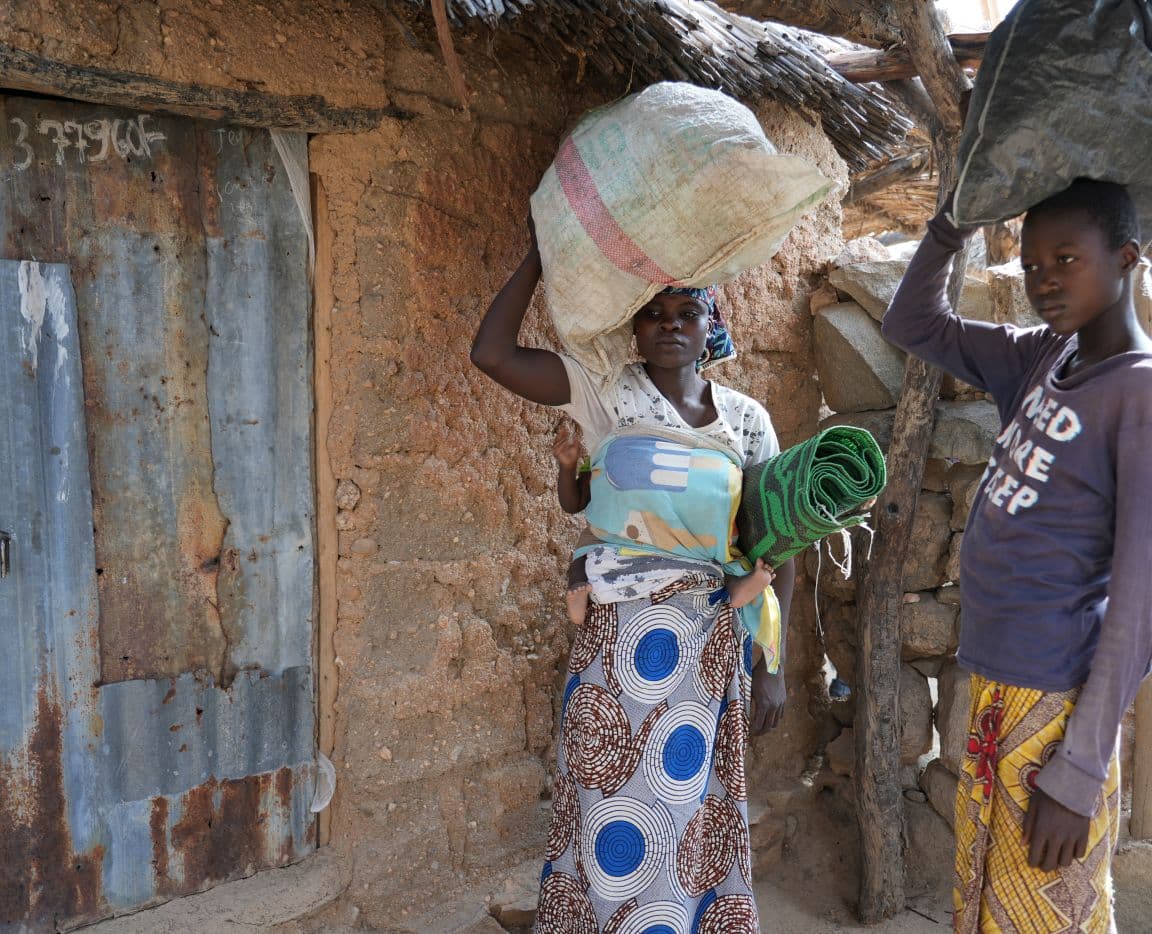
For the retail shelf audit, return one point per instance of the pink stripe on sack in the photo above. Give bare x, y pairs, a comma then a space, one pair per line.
584, 199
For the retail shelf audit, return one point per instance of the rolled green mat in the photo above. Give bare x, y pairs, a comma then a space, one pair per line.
794, 499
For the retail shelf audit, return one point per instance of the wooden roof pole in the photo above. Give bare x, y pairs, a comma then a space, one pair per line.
311, 113
862, 21
880, 586
448, 50
895, 63
888, 174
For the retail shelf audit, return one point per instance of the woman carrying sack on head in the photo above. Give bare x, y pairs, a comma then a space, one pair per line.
649, 818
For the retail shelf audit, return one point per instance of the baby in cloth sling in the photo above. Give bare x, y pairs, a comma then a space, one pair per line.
574, 482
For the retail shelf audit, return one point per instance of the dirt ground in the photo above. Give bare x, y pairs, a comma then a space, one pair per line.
804, 895
816, 900
813, 889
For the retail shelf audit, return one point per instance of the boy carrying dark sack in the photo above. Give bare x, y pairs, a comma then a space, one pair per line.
1056, 563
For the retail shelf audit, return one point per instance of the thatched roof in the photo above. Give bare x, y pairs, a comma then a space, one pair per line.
642, 41
903, 206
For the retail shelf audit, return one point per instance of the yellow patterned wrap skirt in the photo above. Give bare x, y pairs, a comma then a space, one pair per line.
1012, 733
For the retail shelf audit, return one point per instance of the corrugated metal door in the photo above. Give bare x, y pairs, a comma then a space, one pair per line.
156, 520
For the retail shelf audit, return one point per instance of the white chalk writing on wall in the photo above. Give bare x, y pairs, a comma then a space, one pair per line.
87, 141
234, 192
234, 137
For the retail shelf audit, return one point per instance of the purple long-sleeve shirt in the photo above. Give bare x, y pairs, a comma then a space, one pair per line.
1056, 562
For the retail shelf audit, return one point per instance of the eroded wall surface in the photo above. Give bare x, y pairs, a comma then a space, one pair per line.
450, 636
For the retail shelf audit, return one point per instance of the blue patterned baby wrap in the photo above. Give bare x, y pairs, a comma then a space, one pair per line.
667, 493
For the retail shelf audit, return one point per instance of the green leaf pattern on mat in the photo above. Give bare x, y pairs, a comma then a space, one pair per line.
799, 496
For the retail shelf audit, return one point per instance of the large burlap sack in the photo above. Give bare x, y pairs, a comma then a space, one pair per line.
1065, 91
676, 185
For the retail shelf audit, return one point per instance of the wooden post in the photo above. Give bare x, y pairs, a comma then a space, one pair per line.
327, 537
1141, 826
934, 62
880, 587
1002, 241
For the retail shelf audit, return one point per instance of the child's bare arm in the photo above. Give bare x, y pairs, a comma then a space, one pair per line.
573, 489
584, 482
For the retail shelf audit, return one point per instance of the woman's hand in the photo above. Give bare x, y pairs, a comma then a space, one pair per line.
769, 695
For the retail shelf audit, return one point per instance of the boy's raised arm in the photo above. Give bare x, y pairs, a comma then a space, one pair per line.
921, 321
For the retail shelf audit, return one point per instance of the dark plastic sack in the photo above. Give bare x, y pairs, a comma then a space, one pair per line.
1065, 91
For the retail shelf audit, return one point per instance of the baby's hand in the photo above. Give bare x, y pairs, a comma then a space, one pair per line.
566, 448
743, 590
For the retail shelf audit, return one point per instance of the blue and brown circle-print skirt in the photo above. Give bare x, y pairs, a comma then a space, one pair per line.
649, 831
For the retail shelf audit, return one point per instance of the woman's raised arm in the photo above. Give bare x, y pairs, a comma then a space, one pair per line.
534, 374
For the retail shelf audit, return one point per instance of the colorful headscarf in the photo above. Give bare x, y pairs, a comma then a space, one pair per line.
719, 346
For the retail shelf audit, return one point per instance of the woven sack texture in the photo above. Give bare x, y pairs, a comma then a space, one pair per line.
676, 185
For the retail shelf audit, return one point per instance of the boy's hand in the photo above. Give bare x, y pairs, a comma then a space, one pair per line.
566, 448
948, 211
1053, 834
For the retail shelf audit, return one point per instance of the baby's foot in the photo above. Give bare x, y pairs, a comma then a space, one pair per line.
577, 599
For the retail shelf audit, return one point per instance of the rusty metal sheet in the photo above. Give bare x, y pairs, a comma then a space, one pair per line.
188, 254
159, 527
260, 400
47, 600
156, 688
